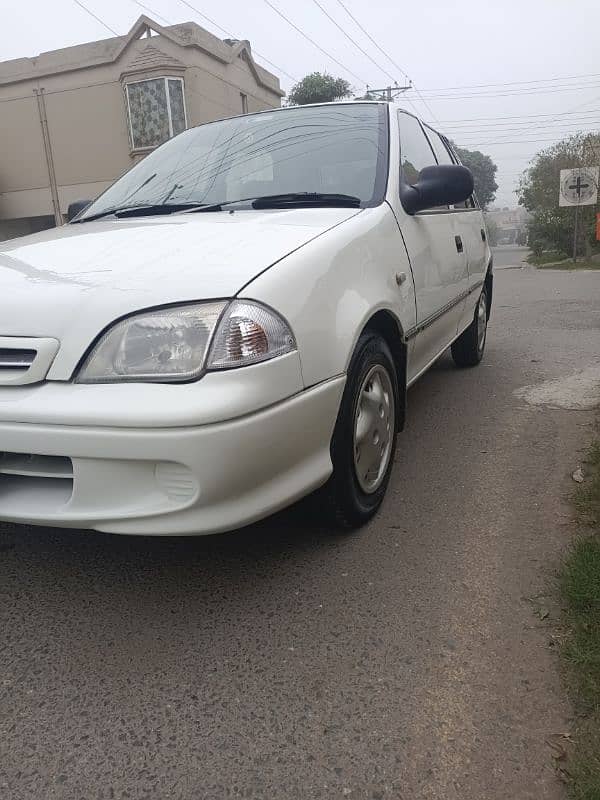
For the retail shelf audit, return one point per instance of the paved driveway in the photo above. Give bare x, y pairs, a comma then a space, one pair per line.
285, 662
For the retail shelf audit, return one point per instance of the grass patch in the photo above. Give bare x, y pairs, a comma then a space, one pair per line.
553, 259
585, 766
580, 587
549, 257
587, 496
571, 266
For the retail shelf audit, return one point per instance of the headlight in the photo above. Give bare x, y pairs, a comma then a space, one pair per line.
171, 344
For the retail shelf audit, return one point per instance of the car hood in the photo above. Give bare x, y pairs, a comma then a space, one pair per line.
69, 283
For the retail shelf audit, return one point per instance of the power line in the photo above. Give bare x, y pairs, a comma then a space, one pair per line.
522, 131
91, 13
580, 105
520, 116
389, 58
372, 40
312, 41
503, 130
570, 87
539, 123
425, 103
576, 108
354, 42
515, 141
515, 93
150, 11
165, 20
512, 83
232, 36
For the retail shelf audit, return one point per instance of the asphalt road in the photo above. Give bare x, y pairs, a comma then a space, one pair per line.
509, 256
408, 661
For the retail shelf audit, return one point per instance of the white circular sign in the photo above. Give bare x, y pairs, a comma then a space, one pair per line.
578, 186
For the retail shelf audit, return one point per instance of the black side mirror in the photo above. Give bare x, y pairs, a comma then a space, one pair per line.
439, 185
76, 208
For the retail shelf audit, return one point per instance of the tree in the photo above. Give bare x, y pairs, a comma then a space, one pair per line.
551, 227
484, 174
319, 87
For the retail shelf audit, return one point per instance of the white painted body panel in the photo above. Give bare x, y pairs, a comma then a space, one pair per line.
478, 253
236, 445
329, 289
187, 480
440, 275
217, 397
72, 282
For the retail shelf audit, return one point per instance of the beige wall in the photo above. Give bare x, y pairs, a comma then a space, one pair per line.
88, 131
88, 125
22, 161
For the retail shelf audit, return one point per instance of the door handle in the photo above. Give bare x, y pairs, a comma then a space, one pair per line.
459, 244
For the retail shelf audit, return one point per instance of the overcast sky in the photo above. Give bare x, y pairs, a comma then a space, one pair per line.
545, 50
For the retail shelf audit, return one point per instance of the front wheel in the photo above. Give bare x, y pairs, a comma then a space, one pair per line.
467, 350
364, 440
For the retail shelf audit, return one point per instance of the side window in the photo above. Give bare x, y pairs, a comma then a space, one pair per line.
415, 150
439, 148
470, 202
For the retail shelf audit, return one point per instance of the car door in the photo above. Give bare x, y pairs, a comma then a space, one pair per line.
436, 251
469, 217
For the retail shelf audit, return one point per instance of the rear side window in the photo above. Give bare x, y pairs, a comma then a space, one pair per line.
415, 150
470, 202
439, 147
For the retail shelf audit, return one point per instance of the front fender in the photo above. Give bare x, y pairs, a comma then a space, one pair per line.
329, 289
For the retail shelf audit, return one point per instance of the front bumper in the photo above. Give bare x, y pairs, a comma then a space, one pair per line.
173, 480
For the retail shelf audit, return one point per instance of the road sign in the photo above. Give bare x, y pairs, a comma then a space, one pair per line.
579, 187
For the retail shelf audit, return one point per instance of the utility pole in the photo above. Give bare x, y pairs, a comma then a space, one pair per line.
41, 104
389, 93
575, 232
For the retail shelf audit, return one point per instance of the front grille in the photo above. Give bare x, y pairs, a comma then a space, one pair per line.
16, 359
25, 360
34, 466
30, 481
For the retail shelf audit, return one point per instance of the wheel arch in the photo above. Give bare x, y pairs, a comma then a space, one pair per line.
386, 324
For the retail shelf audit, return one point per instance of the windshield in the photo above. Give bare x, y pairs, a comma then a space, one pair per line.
338, 149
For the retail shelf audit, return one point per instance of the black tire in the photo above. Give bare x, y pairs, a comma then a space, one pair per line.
349, 505
468, 349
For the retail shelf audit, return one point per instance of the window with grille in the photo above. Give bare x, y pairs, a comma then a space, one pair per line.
156, 110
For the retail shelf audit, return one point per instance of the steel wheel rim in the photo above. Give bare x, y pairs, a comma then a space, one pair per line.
374, 427
481, 322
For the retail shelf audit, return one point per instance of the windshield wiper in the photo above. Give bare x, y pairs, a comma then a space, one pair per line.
141, 210
306, 199
291, 200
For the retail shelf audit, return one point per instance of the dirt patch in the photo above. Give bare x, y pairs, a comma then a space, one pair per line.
579, 391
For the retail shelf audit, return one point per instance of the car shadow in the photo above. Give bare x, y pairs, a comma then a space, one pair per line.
292, 533
295, 537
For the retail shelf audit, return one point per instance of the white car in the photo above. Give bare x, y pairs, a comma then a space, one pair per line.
235, 323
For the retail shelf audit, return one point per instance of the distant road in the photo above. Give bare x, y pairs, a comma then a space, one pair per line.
509, 255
